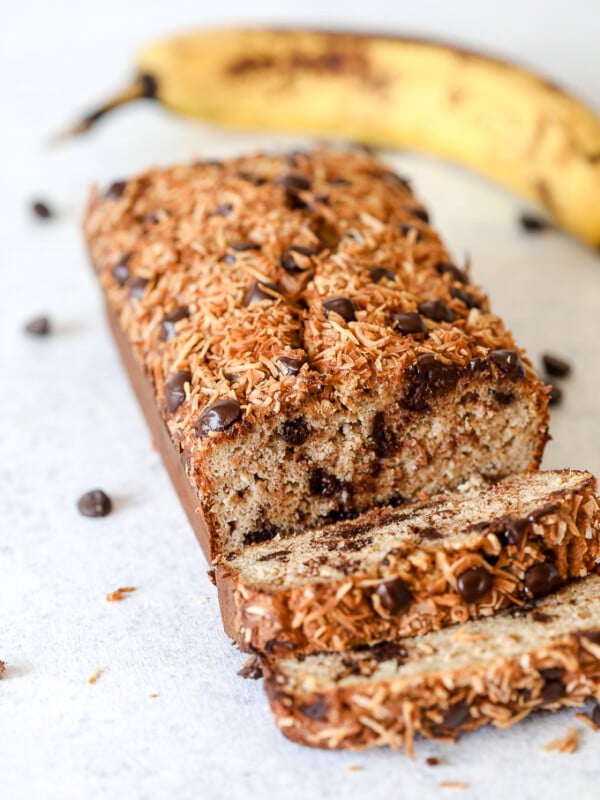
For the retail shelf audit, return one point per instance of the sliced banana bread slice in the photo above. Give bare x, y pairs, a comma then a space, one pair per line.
494, 670
406, 571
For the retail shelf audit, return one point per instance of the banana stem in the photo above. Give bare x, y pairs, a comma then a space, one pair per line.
144, 86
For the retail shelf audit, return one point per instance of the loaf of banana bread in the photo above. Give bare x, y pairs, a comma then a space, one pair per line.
400, 572
302, 344
495, 670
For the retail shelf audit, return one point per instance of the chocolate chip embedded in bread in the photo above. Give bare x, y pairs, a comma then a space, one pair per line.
417, 212
503, 398
394, 595
168, 329
294, 182
437, 310
556, 366
115, 190
447, 268
175, 389
137, 286
259, 291
541, 579
456, 716
509, 362
409, 322
379, 273
342, 306
295, 431
323, 483
121, 271
468, 299
552, 691
290, 366
381, 436
218, 417
317, 709
95, 503
473, 584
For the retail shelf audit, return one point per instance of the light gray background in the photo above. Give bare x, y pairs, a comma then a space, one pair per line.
68, 422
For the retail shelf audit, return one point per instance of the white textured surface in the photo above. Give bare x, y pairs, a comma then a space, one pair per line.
69, 422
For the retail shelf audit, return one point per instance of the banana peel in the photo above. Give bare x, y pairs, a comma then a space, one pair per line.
496, 118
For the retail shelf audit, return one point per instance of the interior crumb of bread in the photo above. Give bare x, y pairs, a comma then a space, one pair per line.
262, 486
477, 643
331, 553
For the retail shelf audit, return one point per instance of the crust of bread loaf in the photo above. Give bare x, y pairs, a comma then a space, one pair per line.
323, 615
394, 711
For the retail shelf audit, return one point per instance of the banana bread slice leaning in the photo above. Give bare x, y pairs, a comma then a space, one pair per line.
296, 329
495, 670
400, 572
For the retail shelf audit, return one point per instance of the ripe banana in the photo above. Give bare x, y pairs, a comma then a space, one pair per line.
494, 117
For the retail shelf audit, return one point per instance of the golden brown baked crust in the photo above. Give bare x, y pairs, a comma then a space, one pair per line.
494, 671
179, 253
393, 574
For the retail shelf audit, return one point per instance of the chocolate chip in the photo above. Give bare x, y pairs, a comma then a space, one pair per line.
94, 504
323, 483
446, 268
251, 670
552, 673
382, 437
315, 710
175, 389
595, 715
509, 362
456, 716
168, 329
120, 271
406, 229
379, 273
409, 322
218, 417
240, 247
541, 616
42, 210
428, 376
385, 651
295, 431
137, 286
541, 579
115, 190
288, 261
512, 531
430, 533
290, 366
532, 223
279, 555
556, 366
465, 297
392, 177
419, 213
342, 306
264, 532
551, 692
473, 584
339, 182
555, 395
394, 595
223, 211
504, 398
437, 311
38, 326
294, 181
258, 292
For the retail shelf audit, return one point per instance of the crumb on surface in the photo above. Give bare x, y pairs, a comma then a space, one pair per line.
153, 695
119, 594
2, 668
569, 744
453, 785
433, 761
354, 768
94, 676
